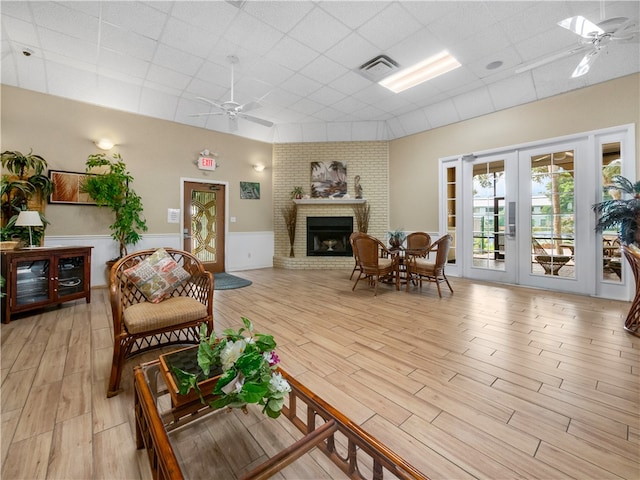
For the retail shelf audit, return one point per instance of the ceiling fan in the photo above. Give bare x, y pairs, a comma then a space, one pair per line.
232, 109
594, 39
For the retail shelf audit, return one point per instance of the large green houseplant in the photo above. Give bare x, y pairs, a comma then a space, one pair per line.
24, 186
112, 189
621, 213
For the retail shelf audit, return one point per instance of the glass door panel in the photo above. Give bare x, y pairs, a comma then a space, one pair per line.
488, 215
611, 253
32, 281
70, 275
490, 186
552, 220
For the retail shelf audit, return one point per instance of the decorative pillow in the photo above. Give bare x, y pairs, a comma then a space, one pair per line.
157, 276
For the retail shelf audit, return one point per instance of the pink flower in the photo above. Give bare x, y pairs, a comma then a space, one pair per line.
272, 358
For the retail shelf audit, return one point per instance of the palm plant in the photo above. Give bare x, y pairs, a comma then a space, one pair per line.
623, 214
24, 183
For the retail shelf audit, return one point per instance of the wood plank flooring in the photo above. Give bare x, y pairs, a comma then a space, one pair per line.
492, 382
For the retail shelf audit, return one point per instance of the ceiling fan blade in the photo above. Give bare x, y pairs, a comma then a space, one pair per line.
204, 114
551, 58
249, 106
581, 26
585, 64
251, 118
233, 124
206, 100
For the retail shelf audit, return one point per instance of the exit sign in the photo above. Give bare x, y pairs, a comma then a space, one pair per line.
206, 163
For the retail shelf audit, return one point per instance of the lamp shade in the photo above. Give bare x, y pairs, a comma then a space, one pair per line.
29, 218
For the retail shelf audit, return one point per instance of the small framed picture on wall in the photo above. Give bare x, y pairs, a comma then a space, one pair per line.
250, 190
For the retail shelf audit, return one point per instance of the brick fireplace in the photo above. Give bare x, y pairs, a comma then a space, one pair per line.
292, 167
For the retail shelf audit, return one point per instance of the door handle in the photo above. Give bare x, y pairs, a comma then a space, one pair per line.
512, 219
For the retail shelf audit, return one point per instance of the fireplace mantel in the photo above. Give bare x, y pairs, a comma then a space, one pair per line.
327, 201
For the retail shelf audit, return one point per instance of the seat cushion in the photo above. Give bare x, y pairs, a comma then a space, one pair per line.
424, 265
385, 263
157, 276
146, 316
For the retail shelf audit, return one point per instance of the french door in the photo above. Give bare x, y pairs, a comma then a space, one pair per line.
526, 218
204, 222
523, 214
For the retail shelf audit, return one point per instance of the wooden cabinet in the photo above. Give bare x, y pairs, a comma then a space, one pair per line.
40, 277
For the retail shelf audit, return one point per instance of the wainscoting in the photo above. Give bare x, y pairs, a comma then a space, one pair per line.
244, 250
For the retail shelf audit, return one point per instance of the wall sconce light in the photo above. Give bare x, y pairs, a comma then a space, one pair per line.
259, 168
104, 144
29, 218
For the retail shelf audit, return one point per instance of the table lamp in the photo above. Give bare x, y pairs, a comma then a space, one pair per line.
29, 218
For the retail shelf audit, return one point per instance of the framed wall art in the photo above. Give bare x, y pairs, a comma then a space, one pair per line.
328, 179
67, 188
250, 190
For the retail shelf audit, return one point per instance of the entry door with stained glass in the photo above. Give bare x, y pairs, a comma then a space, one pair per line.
204, 223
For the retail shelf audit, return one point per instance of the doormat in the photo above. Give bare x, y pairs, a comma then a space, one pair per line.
226, 281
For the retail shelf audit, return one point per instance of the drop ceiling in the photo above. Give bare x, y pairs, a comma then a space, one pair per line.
301, 58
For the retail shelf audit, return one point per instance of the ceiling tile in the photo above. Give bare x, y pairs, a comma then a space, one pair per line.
319, 30
291, 54
157, 104
177, 60
473, 104
390, 26
441, 113
135, 16
59, 18
283, 15
323, 70
126, 42
512, 91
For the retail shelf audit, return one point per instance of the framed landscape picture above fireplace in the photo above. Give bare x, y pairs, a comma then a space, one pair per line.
328, 179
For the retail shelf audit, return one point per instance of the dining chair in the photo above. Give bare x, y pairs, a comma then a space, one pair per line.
356, 267
419, 241
427, 269
375, 260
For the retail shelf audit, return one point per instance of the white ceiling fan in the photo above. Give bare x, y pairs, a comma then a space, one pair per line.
594, 39
232, 109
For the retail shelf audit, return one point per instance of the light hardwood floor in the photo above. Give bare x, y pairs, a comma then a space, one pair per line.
490, 382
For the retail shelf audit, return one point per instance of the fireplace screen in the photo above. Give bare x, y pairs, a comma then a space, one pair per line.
329, 236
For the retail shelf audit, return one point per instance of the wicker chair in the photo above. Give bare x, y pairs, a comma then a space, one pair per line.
375, 260
632, 322
417, 242
356, 267
430, 270
139, 325
550, 263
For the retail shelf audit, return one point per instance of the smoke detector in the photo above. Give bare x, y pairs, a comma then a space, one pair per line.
378, 68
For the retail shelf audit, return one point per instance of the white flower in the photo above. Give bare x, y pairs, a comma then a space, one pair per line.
278, 384
231, 352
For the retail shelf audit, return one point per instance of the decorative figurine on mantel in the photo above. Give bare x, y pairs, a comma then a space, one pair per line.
357, 186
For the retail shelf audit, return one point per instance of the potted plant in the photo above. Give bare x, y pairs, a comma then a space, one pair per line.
396, 238
297, 192
112, 189
24, 186
623, 214
242, 366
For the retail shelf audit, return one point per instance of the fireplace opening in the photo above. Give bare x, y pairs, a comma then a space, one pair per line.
329, 236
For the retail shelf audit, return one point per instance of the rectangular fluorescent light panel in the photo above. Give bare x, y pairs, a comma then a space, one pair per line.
420, 72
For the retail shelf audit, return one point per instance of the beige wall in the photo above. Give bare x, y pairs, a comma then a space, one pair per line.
157, 153
413, 160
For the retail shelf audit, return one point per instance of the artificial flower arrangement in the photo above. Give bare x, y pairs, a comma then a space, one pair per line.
248, 364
